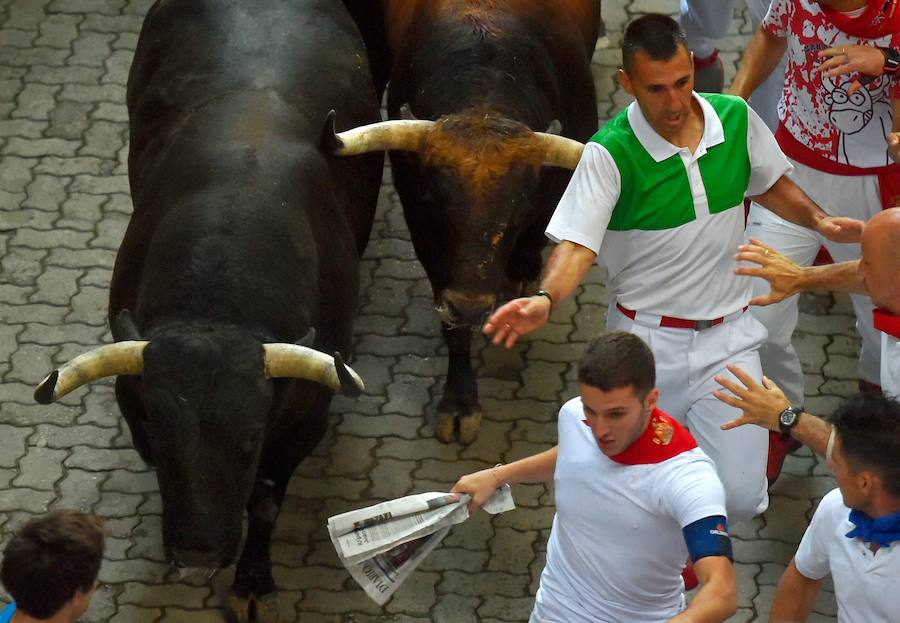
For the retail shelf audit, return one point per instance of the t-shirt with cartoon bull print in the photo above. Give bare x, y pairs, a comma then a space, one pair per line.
816, 110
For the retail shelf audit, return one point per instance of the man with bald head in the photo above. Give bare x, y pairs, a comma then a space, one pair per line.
862, 444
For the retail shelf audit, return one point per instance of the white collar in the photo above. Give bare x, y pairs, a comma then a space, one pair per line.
659, 148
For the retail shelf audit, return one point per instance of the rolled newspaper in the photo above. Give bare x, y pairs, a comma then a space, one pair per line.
381, 545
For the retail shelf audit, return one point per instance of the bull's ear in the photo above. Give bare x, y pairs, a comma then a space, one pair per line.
554, 128
308, 340
123, 327
350, 386
407, 113
328, 140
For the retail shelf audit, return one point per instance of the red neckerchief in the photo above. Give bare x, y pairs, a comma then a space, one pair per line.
661, 440
886, 322
880, 18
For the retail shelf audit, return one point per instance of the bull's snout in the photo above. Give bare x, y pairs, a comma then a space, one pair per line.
461, 308
201, 555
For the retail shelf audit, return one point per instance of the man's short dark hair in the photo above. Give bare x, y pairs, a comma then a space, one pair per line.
618, 359
50, 558
658, 36
868, 425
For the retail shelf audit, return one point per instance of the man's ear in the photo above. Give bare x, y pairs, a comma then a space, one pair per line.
625, 81
652, 399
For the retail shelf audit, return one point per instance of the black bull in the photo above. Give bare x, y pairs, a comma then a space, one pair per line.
487, 77
245, 238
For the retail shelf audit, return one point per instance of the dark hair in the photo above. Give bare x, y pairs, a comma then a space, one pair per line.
50, 558
616, 360
868, 425
658, 36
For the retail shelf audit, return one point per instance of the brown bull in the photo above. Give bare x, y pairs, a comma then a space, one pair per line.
477, 176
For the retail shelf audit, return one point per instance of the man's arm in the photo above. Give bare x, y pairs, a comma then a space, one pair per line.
480, 485
565, 270
717, 598
893, 138
760, 58
788, 201
787, 278
762, 404
794, 597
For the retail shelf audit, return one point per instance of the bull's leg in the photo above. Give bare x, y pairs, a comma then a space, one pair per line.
459, 414
252, 598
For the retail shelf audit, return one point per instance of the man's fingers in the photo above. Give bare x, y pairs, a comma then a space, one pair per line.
729, 400
511, 338
735, 423
732, 387
765, 299
855, 86
743, 377
749, 271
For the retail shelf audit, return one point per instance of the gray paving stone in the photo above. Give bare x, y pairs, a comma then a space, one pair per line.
40, 468
69, 120
25, 128
58, 31
12, 444
111, 7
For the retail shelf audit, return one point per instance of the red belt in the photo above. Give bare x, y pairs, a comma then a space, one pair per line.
678, 323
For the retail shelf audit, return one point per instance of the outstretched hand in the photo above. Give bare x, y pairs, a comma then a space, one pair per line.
761, 403
516, 318
782, 274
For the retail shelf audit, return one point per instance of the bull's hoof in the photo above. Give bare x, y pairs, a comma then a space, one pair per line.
464, 428
469, 427
445, 427
252, 609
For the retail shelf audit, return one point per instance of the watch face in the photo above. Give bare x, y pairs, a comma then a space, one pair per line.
787, 418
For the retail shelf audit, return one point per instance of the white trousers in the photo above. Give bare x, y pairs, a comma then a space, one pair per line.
707, 21
686, 362
855, 196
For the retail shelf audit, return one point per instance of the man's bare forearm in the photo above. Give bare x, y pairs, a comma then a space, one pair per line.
536, 468
565, 270
760, 58
840, 277
813, 432
717, 598
788, 201
794, 597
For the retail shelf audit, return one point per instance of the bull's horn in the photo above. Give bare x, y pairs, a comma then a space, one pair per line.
559, 151
299, 362
404, 135
119, 358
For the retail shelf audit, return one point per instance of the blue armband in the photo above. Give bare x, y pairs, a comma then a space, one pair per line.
708, 537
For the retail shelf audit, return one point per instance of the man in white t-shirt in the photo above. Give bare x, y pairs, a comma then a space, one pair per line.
855, 533
634, 497
657, 201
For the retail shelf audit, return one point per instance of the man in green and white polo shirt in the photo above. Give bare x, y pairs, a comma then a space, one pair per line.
657, 201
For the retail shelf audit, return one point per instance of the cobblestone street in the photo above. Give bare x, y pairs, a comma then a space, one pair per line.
64, 206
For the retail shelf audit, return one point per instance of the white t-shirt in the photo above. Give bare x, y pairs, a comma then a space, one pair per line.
686, 271
866, 585
616, 550
890, 365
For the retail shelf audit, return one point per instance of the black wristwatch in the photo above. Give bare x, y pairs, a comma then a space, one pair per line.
788, 418
547, 294
891, 61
